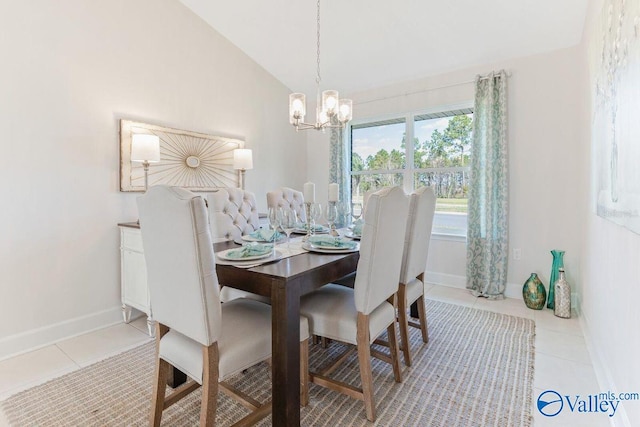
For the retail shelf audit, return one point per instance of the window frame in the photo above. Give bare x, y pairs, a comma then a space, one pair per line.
409, 172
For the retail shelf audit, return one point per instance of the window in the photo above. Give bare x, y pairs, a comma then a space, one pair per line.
438, 157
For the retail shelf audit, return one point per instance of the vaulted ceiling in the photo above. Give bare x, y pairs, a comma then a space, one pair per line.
370, 43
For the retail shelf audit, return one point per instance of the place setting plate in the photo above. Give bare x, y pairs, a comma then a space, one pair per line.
239, 254
350, 234
318, 230
331, 245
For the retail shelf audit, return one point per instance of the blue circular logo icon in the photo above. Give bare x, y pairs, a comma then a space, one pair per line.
550, 403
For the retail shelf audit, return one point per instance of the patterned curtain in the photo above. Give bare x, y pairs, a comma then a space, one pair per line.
488, 227
339, 169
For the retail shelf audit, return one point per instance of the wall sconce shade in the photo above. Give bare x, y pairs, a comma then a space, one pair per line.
145, 148
242, 159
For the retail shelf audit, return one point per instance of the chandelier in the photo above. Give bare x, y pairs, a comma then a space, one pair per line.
328, 106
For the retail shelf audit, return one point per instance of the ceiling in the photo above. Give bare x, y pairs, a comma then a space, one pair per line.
371, 43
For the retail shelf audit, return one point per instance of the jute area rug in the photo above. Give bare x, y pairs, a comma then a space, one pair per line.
476, 370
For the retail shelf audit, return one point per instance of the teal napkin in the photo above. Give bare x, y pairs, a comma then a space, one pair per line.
316, 227
250, 250
330, 241
266, 234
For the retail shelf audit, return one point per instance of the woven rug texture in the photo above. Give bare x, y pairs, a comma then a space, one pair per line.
476, 370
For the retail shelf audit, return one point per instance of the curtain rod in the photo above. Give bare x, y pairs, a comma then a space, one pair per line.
508, 74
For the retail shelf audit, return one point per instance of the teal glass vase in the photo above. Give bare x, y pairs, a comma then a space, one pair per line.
533, 293
558, 262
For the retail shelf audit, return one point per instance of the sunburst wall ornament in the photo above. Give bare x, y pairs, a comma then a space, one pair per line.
194, 161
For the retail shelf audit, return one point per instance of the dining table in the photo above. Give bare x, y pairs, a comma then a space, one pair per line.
285, 281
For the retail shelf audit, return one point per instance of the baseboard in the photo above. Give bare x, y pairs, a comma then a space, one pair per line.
34, 339
513, 290
603, 375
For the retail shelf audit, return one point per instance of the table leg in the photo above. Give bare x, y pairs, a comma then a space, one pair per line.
285, 305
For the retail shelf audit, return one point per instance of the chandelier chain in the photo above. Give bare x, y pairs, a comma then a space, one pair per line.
318, 79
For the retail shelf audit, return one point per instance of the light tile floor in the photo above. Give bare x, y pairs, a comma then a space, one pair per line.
562, 362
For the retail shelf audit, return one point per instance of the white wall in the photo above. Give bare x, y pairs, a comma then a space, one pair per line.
70, 70
545, 152
611, 271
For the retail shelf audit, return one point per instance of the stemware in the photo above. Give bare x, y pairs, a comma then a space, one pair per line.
274, 223
331, 214
344, 210
288, 222
356, 210
316, 213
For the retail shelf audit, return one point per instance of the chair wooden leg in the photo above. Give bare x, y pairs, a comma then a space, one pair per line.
403, 323
157, 403
393, 349
423, 319
163, 370
364, 359
304, 372
209, 385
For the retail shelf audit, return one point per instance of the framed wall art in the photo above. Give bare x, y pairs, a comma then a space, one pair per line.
191, 160
615, 69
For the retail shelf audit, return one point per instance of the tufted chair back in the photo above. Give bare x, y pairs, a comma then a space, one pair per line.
181, 268
416, 243
381, 248
232, 213
287, 197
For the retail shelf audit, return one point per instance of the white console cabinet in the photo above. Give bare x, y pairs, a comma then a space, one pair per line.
133, 275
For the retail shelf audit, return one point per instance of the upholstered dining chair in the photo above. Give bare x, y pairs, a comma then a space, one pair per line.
414, 263
358, 316
195, 333
287, 197
232, 213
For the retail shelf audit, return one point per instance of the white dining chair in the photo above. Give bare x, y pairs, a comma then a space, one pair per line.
232, 214
358, 316
414, 263
195, 333
287, 197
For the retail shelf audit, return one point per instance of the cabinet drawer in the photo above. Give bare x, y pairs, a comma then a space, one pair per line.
131, 239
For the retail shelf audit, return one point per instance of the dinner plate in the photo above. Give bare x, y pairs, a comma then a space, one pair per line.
350, 235
228, 255
312, 248
324, 230
347, 244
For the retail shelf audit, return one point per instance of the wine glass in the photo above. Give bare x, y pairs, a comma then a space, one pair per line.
274, 223
331, 214
288, 222
316, 213
356, 209
344, 210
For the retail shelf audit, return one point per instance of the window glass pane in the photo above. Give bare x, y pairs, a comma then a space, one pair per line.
445, 142
378, 147
451, 200
442, 142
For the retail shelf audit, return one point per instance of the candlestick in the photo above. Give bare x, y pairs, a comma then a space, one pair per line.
307, 207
